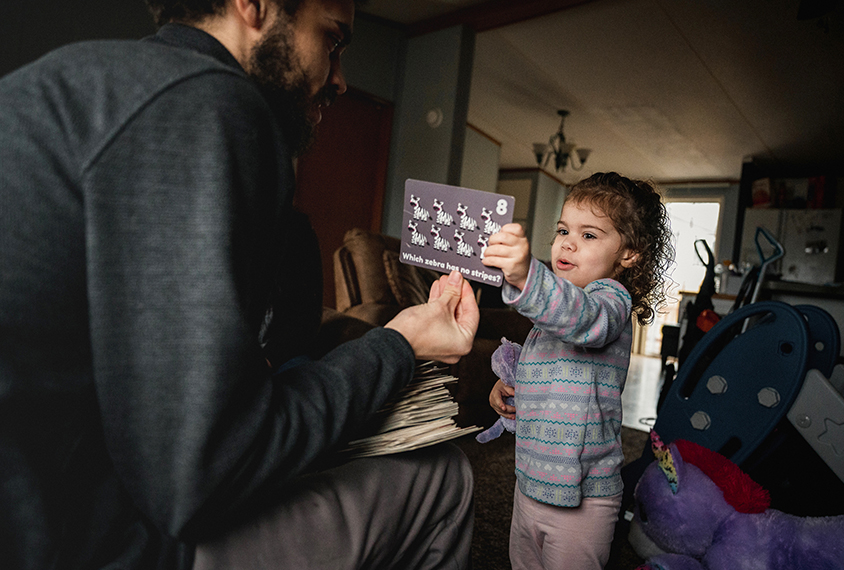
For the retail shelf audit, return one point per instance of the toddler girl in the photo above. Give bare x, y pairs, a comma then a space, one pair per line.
610, 254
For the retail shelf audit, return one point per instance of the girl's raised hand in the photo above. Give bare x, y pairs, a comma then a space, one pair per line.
509, 250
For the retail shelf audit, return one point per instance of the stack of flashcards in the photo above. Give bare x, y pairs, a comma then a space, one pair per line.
422, 414
448, 227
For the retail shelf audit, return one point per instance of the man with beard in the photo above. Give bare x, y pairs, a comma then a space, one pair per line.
156, 310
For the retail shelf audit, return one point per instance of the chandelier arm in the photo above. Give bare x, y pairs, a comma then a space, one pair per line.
564, 153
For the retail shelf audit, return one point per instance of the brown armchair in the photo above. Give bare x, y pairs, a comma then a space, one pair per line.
372, 285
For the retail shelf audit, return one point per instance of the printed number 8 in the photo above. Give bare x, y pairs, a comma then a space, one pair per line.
501, 208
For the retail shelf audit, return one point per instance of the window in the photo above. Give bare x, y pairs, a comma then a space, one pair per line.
696, 212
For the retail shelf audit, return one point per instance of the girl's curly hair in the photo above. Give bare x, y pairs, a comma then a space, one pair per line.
638, 214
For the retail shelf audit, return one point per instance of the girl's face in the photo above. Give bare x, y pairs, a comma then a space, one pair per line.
587, 246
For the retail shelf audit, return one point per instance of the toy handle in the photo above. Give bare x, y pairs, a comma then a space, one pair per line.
708, 252
778, 250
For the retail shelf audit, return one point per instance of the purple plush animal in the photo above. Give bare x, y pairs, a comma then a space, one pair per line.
505, 359
694, 523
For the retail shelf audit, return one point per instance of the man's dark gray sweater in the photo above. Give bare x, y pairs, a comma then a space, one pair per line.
144, 190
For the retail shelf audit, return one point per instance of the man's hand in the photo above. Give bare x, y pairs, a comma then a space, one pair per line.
443, 328
499, 392
509, 250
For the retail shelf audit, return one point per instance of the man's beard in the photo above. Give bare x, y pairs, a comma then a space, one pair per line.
275, 67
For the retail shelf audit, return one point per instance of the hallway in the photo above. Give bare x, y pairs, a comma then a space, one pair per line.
641, 392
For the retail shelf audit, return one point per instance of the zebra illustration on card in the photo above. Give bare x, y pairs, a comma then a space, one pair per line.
466, 222
490, 226
440, 243
463, 248
416, 238
419, 213
443, 217
483, 242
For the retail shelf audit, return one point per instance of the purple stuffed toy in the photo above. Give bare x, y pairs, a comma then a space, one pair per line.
505, 359
685, 520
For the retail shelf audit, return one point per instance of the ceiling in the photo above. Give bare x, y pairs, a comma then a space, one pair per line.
672, 90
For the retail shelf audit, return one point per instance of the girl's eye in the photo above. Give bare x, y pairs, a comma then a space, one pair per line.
563, 232
588, 236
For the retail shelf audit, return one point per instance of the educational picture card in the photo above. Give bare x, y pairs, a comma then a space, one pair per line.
448, 227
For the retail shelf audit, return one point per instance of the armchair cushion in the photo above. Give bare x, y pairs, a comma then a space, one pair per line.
409, 284
359, 274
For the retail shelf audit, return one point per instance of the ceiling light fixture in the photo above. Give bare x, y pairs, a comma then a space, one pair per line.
563, 152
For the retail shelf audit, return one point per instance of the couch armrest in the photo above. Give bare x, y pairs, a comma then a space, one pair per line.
359, 274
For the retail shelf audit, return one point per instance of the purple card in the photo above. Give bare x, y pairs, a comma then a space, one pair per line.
447, 227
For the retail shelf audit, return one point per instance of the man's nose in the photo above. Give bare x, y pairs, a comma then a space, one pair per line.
337, 78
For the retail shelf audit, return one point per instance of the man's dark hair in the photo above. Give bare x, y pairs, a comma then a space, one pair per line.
184, 11
192, 11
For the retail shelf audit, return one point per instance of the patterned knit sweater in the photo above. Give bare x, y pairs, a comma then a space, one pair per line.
569, 380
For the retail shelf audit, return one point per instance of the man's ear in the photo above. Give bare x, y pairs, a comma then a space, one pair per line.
629, 258
254, 13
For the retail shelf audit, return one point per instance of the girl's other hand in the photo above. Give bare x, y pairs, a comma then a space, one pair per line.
499, 392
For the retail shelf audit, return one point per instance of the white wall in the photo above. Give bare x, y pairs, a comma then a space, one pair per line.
429, 127
480, 162
550, 195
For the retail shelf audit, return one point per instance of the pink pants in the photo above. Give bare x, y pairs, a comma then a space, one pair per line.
546, 537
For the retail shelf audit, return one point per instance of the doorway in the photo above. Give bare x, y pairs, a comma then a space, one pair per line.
341, 180
690, 221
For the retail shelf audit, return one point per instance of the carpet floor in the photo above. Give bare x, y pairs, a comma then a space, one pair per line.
493, 466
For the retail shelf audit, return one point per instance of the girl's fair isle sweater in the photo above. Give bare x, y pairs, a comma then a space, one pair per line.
569, 380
